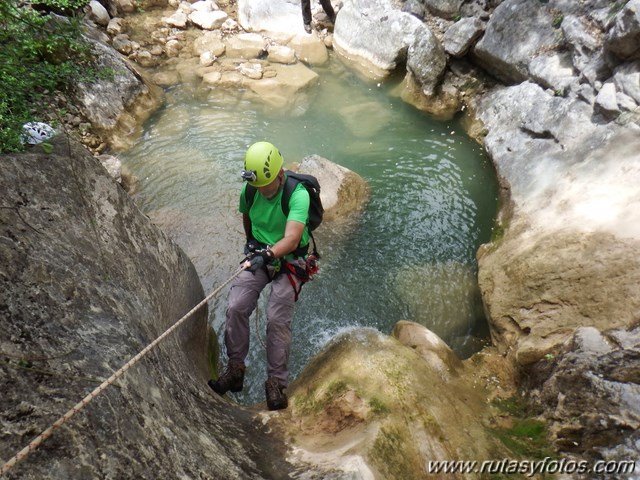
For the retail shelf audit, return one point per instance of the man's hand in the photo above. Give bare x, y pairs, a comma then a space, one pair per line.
258, 259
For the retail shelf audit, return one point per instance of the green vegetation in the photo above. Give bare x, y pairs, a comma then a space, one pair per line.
311, 403
557, 20
378, 407
512, 405
42, 52
497, 231
527, 436
394, 454
336, 388
615, 7
526, 439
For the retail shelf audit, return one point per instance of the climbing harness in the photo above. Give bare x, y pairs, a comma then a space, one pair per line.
302, 274
36, 442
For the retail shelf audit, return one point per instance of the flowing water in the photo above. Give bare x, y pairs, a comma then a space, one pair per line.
409, 255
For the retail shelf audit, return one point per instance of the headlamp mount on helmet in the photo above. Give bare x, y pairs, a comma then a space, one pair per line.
249, 175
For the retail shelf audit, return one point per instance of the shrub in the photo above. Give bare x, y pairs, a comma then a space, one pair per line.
41, 53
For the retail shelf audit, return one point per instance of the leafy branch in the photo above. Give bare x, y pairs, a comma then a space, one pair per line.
41, 54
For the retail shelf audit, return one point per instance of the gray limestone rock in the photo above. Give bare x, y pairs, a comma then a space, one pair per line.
208, 20
344, 193
415, 8
553, 71
98, 13
426, 60
375, 35
444, 8
623, 39
563, 166
107, 102
122, 44
271, 16
606, 101
584, 39
176, 20
518, 31
460, 36
607, 366
378, 38
627, 80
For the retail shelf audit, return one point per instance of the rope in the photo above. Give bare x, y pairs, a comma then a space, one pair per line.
36, 442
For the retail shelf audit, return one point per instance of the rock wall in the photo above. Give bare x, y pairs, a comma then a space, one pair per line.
568, 257
86, 282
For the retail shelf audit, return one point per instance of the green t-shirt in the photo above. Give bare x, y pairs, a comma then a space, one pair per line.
267, 219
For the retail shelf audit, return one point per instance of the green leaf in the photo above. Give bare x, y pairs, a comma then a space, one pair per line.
47, 148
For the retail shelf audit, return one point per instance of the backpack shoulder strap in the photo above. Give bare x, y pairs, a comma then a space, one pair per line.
289, 186
249, 195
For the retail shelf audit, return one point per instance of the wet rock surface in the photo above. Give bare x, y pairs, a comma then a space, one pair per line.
377, 407
87, 282
607, 366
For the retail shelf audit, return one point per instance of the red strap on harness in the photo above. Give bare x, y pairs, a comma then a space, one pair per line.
300, 275
293, 284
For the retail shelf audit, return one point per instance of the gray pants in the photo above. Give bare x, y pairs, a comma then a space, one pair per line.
243, 298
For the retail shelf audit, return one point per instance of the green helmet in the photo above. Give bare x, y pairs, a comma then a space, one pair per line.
262, 163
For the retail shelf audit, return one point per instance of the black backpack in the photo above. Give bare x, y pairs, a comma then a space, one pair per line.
316, 210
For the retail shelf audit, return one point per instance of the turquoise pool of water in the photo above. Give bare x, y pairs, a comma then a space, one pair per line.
409, 255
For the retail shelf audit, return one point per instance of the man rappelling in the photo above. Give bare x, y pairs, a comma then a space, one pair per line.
275, 206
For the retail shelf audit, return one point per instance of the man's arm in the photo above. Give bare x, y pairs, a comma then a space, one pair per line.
292, 234
246, 223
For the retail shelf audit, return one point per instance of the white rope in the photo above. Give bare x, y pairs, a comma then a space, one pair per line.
36, 442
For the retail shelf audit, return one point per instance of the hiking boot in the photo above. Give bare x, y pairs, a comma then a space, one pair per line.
307, 27
231, 380
276, 398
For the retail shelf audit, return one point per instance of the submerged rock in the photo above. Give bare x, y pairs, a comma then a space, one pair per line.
443, 297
